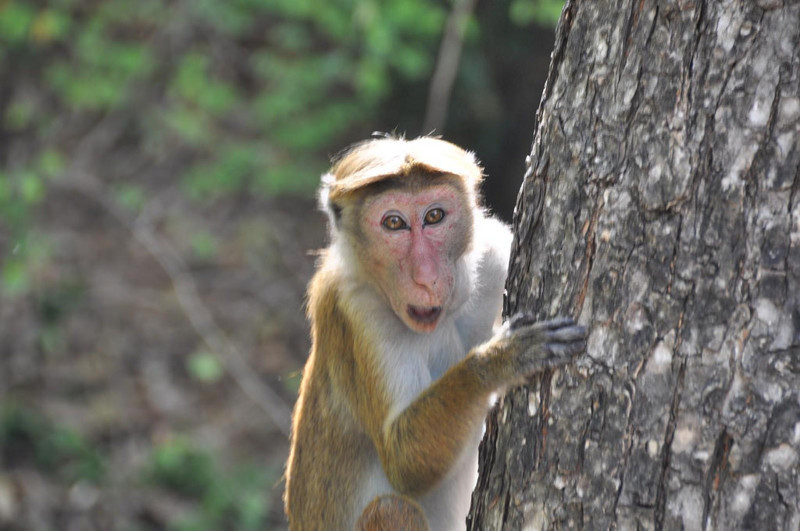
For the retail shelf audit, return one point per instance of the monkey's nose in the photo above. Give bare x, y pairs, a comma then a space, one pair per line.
424, 274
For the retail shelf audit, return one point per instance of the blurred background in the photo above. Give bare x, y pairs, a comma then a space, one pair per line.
158, 162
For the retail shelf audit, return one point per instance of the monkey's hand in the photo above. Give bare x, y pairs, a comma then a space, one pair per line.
523, 347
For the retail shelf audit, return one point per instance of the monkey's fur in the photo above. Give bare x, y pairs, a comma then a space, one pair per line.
404, 358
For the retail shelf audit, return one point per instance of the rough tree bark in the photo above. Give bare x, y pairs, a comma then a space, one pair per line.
662, 206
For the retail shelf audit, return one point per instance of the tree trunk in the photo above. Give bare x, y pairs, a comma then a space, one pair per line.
662, 206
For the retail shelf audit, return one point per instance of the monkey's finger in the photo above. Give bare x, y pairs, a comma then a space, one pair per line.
536, 365
550, 353
566, 350
552, 324
566, 334
565, 331
558, 322
521, 319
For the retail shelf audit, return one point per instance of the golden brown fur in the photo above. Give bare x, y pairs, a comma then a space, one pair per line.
335, 391
340, 413
375, 160
389, 513
387, 422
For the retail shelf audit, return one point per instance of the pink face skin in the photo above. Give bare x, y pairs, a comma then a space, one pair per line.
415, 263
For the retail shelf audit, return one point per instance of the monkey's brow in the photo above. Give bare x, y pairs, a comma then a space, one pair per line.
414, 183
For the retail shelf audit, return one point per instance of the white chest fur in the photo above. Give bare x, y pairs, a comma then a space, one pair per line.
415, 361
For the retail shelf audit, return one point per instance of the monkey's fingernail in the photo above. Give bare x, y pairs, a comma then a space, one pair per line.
520, 320
570, 333
559, 322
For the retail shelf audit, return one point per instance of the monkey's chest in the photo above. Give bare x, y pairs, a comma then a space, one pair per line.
445, 350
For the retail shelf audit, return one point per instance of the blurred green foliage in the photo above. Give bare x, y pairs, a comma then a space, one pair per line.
542, 12
238, 498
27, 437
210, 98
247, 87
226, 499
177, 466
205, 367
249, 95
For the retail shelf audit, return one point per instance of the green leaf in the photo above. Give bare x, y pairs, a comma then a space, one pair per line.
291, 37
282, 179
332, 20
50, 25
227, 173
20, 114
419, 18
6, 189
204, 245
129, 60
85, 88
293, 8
54, 449
31, 188
182, 468
131, 196
226, 16
205, 367
541, 12
50, 163
15, 278
371, 79
412, 63
131, 12
252, 509
380, 40
320, 127
15, 20
193, 84
192, 126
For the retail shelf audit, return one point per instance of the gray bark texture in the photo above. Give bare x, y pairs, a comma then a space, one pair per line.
662, 206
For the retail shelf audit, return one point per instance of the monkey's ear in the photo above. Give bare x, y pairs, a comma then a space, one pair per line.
333, 210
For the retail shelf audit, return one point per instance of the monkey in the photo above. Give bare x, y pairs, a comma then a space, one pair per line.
407, 342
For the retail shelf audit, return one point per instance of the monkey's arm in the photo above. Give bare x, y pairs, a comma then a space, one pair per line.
421, 444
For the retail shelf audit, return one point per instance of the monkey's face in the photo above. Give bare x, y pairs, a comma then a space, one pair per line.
413, 239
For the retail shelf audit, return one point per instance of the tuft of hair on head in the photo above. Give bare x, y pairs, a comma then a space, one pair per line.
386, 134
332, 210
391, 157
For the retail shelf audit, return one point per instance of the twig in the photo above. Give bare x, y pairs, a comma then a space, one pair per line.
189, 299
447, 61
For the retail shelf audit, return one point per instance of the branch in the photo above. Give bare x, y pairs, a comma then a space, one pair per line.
447, 61
189, 299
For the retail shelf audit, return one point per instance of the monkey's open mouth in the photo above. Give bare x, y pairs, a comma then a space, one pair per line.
424, 315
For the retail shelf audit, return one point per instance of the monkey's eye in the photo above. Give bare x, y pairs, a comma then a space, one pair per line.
394, 222
434, 216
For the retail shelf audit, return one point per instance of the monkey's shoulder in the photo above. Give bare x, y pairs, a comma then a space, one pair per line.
491, 250
493, 242
336, 306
